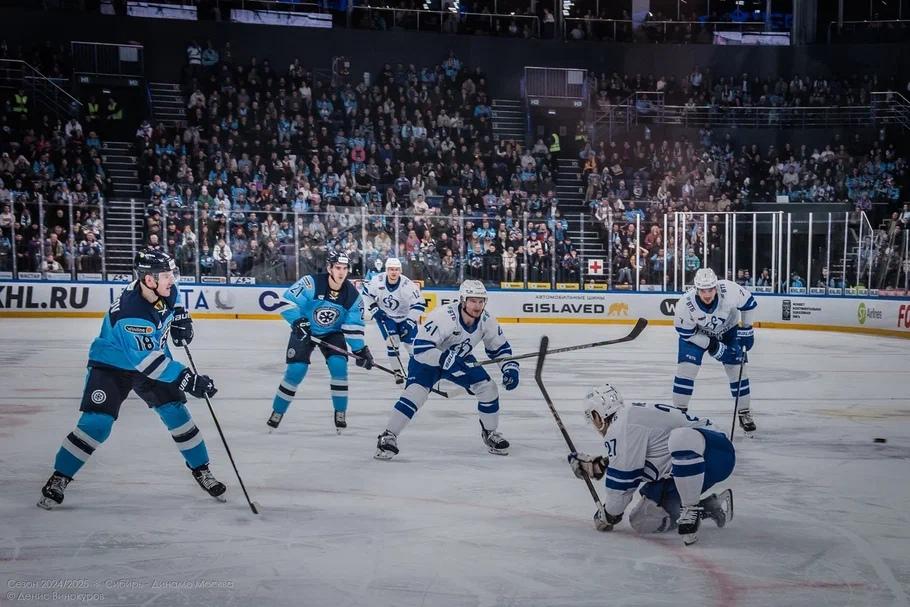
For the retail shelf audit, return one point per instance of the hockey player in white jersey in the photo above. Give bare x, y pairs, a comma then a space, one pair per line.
443, 350
715, 317
675, 456
396, 305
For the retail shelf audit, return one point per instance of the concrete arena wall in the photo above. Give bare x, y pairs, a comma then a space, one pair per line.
869, 315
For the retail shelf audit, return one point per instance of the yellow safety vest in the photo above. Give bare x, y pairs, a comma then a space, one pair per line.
554, 147
117, 114
93, 110
21, 104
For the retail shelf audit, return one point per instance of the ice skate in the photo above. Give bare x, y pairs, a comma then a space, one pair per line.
689, 521
209, 483
340, 422
746, 422
52, 492
718, 508
274, 420
386, 446
494, 441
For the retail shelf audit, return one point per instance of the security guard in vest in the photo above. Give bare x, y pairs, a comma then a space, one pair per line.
93, 109
114, 111
554, 144
20, 102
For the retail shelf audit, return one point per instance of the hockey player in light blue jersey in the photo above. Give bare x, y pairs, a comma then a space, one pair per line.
715, 317
396, 305
443, 350
326, 306
670, 457
131, 353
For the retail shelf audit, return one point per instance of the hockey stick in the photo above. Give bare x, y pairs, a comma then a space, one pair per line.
635, 332
538, 377
344, 352
253, 505
736, 400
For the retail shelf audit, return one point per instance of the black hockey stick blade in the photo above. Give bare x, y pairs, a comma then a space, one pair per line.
635, 332
538, 377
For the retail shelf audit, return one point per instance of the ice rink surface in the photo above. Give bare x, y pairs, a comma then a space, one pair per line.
821, 510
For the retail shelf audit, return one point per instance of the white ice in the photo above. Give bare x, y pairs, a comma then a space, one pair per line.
821, 509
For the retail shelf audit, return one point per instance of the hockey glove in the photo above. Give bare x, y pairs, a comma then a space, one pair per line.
198, 385
181, 327
728, 355
407, 331
301, 329
454, 364
604, 521
378, 315
746, 337
587, 465
510, 375
364, 358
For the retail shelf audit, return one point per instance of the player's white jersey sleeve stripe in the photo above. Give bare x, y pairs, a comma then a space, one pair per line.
685, 332
651, 472
88, 440
622, 480
750, 304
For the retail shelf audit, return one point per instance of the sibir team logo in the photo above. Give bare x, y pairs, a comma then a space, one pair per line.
785, 309
98, 397
325, 317
291, 352
861, 313
668, 307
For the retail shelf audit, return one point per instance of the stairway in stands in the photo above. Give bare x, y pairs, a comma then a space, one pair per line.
168, 104
570, 189
123, 213
510, 122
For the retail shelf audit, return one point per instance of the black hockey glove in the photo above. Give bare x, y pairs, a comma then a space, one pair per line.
364, 358
181, 327
301, 329
197, 385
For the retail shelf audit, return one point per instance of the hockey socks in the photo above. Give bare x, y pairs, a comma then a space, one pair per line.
91, 430
287, 389
185, 433
338, 382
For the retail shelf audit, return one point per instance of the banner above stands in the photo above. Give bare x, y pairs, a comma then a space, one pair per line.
873, 315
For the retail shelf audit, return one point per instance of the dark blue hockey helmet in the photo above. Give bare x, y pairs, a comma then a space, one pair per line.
154, 261
334, 257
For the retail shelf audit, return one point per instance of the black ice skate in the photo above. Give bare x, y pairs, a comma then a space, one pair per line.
494, 441
209, 483
718, 508
274, 420
340, 423
688, 521
52, 492
746, 422
386, 446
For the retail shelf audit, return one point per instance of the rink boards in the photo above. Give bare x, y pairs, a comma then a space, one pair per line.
871, 315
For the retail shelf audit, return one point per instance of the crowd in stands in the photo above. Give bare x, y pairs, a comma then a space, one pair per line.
52, 188
646, 181
275, 168
703, 87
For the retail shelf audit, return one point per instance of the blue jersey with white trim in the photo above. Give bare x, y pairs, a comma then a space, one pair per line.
328, 311
399, 301
443, 330
697, 323
134, 336
637, 448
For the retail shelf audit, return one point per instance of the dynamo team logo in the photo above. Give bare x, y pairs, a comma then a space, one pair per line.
390, 302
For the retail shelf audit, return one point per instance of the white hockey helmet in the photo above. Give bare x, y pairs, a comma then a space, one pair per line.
601, 404
392, 262
471, 288
705, 278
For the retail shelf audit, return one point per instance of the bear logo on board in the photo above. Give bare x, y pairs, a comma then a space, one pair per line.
618, 309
